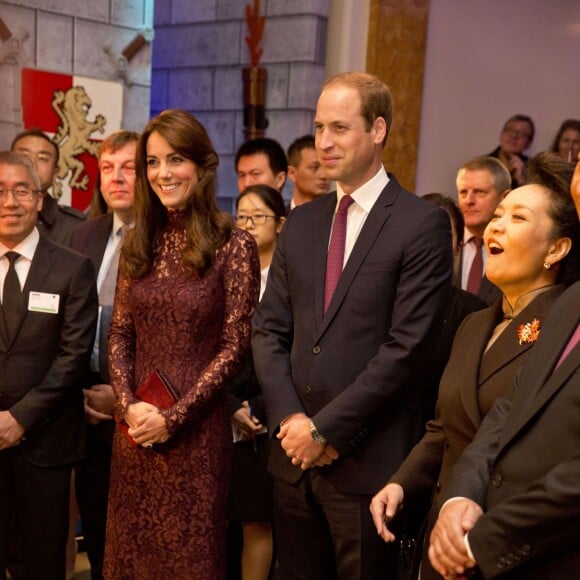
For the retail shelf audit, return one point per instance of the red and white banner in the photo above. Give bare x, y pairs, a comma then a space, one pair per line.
77, 113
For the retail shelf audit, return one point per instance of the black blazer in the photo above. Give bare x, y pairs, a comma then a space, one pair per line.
354, 369
523, 466
57, 222
40, 368
90, 238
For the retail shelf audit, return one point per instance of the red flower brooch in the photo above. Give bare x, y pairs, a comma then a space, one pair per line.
529, 332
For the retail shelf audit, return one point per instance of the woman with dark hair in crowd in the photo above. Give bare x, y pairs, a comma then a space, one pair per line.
567, 140
260, 211
533, 246
187, 287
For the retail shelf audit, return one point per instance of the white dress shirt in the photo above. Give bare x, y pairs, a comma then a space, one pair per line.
364, 197
26, 248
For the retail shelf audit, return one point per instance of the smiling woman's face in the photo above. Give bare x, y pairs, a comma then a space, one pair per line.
172, 176
519, 240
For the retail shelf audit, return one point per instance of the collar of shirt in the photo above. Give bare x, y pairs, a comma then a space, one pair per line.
26, 247
368, 193
118, 223
522, 302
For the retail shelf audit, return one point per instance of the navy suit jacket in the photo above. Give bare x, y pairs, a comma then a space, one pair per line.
523, 466
41, 366
354, 369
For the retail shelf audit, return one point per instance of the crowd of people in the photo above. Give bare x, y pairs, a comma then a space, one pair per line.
360, 383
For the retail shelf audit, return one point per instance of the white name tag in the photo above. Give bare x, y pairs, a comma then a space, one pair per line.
43, 302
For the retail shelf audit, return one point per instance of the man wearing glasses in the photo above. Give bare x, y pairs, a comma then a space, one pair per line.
47, 326
515, 138
56, 222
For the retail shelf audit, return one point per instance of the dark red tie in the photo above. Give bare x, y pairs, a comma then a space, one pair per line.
574, 340
476, 270
335, 258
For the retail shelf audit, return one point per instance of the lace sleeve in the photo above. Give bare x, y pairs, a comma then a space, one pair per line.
242, 286
122, 348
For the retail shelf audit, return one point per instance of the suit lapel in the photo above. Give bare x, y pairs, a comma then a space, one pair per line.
39, 268
370, 230
507, 346
97, 244
475, 342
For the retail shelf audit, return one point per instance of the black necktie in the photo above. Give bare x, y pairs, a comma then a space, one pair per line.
11, 295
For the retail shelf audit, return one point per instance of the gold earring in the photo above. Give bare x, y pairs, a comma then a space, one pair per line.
547, 265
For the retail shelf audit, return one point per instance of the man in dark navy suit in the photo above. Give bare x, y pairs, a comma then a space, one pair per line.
355, 292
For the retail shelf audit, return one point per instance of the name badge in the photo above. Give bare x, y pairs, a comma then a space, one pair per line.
43, 302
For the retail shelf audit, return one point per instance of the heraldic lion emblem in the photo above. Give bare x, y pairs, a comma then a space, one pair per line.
73, 135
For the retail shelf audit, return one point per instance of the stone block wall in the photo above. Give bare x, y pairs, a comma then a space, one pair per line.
198, 56
68, 37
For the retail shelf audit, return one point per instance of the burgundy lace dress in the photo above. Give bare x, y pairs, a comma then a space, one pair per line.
166, 516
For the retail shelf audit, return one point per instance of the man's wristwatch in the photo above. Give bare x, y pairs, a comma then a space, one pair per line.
316, 435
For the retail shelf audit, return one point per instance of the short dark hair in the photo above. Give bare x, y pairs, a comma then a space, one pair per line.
452, 209
270, 148
270, 196
36, 132
526, 119
296, 148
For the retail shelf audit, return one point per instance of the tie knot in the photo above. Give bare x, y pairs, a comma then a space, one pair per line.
477, 241
122, 230
345, 203
12, 257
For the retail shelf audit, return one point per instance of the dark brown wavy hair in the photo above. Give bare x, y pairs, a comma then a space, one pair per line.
208, 228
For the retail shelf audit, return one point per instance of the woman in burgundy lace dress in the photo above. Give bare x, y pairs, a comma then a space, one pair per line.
187, 287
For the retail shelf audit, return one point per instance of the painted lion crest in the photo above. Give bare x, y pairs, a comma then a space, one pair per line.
73, 135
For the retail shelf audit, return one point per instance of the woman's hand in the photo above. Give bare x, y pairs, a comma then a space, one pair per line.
149, 427
137, 410
245, 423
384, 507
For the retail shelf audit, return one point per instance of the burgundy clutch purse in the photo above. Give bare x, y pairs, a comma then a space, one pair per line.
157, 390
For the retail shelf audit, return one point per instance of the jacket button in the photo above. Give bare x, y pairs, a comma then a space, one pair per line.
316, 350
496, 480
307, 389
438, 486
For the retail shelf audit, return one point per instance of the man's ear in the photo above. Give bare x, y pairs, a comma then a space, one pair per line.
380, 130
292, 173
280, 180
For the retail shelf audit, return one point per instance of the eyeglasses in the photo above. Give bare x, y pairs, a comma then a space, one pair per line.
517, 133
257, 220
20, 193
